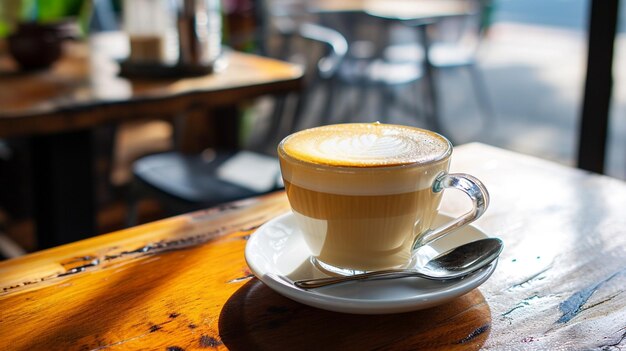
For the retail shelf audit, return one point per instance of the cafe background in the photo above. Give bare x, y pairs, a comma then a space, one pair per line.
532, 57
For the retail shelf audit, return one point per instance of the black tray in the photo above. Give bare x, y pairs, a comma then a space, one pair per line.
159, 70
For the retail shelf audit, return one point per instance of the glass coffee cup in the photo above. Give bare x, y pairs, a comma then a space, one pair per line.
365, 195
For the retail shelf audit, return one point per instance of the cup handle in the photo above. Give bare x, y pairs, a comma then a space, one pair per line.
471, 186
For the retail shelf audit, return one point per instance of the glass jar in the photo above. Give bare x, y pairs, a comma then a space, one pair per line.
200, 32
152, 31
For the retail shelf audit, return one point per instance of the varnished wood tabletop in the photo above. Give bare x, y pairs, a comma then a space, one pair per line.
182, 283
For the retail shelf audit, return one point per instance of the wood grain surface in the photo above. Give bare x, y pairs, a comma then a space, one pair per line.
182, 283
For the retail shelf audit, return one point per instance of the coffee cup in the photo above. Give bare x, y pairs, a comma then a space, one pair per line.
365, 195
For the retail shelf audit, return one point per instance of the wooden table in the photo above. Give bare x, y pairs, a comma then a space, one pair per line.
182, 283
59, 108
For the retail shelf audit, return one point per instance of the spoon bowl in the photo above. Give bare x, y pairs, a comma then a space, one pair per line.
453, 264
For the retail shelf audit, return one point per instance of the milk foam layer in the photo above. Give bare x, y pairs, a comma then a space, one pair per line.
394, 159
366, 145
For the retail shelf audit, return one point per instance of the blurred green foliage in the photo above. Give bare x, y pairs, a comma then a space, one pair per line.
50, 10
47, 11
42, 11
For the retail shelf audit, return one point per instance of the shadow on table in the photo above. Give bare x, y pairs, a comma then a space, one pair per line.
257, 318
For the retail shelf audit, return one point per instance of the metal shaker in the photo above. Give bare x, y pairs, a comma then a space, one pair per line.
200, 32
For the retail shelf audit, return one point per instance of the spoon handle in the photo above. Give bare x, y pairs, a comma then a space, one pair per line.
389, 273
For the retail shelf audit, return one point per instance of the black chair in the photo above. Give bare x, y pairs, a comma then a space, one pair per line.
455, 45
320, 75
373, 70
184, 183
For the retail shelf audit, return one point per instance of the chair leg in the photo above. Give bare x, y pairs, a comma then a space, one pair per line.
418, 103
132, 215
329, 90
276, 118
343, 106
297, 114
386, 100
358, 104
480, 89
431, 114
408, 102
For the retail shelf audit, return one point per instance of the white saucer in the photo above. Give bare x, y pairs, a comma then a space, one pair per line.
277, 254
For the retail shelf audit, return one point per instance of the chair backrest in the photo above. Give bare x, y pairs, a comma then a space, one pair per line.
337, 47
319, 50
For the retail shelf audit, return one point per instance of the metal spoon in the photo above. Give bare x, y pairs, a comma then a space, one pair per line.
453, 264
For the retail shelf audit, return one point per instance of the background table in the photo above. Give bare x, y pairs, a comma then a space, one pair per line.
59, 108
395, 9
182, 283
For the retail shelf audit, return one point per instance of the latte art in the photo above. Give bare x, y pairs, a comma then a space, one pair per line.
366, 145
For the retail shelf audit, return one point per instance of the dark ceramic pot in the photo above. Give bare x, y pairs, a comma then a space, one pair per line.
36, 45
